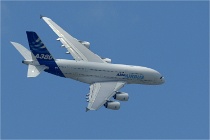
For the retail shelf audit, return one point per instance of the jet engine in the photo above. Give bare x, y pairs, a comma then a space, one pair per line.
85, 43
108, 60
112, 105
121, 96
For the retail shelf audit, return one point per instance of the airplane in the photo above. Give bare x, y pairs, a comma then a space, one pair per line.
105, 79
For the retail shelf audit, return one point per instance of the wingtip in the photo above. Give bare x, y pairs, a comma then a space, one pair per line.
13, 43
41, 16
87, 109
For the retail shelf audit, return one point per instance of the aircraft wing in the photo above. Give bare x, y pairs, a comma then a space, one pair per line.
77, 50
101, 92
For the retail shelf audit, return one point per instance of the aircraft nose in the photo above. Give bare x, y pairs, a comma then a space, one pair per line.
162, 79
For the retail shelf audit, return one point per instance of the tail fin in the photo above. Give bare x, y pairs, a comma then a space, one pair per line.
38, 53
38, 48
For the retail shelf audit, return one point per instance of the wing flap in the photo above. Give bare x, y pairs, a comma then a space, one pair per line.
101, 92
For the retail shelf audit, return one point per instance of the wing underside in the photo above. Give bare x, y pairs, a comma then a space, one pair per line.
77, 50
101, 92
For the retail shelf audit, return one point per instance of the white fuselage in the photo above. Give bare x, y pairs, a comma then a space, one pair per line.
91, 72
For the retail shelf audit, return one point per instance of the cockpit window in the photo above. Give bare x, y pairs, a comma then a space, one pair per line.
161, 77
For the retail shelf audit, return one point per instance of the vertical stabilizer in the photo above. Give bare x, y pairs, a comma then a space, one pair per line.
42, 55
39, 58
38, 48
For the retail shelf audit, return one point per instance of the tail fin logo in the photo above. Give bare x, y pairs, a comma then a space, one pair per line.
37, 45
38, 48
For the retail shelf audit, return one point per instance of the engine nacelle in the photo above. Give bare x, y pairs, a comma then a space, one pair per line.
121, 96
112, 105
85, 43
108, 60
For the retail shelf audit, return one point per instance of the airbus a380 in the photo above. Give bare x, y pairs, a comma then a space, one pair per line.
105, 79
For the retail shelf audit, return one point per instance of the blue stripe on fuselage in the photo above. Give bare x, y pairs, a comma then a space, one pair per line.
53, 68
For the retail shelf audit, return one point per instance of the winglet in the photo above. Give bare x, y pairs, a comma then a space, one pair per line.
41, 16
87, 109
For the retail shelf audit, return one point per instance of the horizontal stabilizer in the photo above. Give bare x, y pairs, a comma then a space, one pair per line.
34, 71
23, 51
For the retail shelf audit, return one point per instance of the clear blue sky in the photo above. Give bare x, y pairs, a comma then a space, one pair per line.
171, 37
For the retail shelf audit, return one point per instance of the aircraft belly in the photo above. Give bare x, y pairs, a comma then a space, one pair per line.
89, 72
89, 79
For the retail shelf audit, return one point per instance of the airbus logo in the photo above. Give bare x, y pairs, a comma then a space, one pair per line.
131, 75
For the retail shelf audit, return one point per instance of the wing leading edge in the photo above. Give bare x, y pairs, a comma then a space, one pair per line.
77, 50
101, 92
